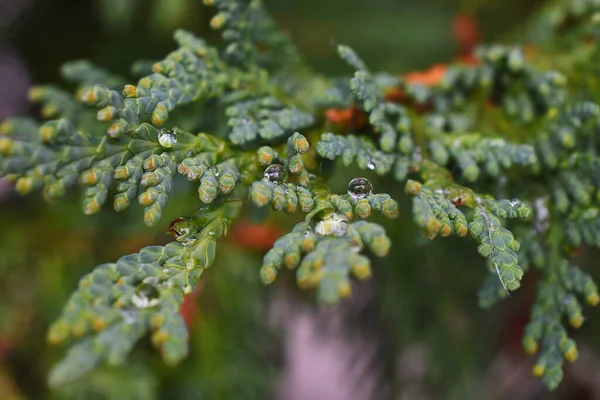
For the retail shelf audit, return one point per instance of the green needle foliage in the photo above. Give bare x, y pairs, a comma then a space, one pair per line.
507, 126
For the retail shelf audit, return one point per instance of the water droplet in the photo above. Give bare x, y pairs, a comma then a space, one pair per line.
146, 296
189, 154
213, 170
165, 270
183, 230
167, 138
359, 188
371, 164
211, 232
336, 225
275, 173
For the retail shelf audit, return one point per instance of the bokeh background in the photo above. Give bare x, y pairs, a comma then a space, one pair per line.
413, 332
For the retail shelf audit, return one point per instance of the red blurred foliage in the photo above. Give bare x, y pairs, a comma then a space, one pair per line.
430, 77
258, 236
350, 119
511, 334
189, 308
465, 30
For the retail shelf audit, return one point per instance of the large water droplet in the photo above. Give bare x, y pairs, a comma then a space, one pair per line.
359, 188
336, 225
276, 173
183, 230
167, 138
146, 296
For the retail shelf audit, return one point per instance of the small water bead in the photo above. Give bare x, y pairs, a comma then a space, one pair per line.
167, 138
146, 296
336, 225
359, 188
213, 170
275, 173
371, 164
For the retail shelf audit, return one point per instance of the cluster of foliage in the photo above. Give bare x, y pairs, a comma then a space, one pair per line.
465, 140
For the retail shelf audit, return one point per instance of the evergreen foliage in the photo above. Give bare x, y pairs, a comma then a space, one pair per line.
504, 126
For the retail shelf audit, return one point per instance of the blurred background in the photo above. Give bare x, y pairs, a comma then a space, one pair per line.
413, 332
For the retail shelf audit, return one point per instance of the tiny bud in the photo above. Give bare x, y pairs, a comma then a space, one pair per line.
88, 96
159, 337
24, 185
361, 271
538, 370
530, 345
130, 91
121, 203
90, 206
576, 320
106, 114
147, 198
268, 273
6, 146
47, 133
121, 173
159, 116
49, 111
35, 94
88, 177
156, 68
218, 21
571, 354
98, 324
114, 130
344, 290
593, 299
412, 188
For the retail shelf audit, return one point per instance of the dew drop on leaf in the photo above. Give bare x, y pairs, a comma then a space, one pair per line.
146, 296
276, 173
183, 230
336, 225
371, 164
359, 188
167, 138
